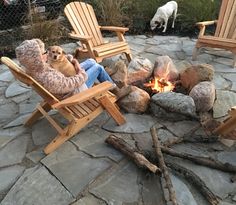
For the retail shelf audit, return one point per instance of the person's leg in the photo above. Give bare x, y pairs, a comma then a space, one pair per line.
95, 72
103, 75
88, 63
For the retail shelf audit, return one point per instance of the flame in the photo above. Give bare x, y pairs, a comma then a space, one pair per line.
160, 85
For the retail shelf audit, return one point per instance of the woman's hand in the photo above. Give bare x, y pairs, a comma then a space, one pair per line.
76, 65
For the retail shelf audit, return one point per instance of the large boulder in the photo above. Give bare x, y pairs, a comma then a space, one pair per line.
172, 106
165, 68
120, 73
136, 102
195, 74
139, 70
203, 95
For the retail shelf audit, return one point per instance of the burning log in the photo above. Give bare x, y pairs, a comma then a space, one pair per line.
133, 154
164, 169
159, 85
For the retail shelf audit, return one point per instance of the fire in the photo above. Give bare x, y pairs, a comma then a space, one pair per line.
160, 85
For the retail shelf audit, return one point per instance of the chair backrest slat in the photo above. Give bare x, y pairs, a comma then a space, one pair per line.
226, 21
20, 75
83, 20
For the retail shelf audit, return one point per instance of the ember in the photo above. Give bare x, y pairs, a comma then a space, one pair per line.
159, 85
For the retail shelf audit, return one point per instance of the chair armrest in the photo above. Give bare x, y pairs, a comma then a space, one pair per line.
95, 91
114, 28
202, 26
80, 37
206, 23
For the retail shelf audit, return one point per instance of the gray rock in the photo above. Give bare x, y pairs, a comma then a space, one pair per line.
139, 69
217, 181
227, 157
183, 194
6, 76
9, 175
22, 97
165, 68
14, 151
37, 186
89, 200
124, 186
5, 139
36, 155
92, 141
225, 61
180, 128
74, 169
203, 95
16, 89
220, 82
165, 105
43, 132
224, 101
134, 124
136, 101
8, 111
18, 121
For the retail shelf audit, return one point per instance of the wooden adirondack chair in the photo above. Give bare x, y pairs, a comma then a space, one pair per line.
79, 109
227, 129
225, 34
86, 29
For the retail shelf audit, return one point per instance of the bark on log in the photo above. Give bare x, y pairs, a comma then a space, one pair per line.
133, 154
191, 176
209, 162
190, 137
163, 166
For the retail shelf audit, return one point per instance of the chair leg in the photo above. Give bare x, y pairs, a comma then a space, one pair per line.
69, 132
72, 129
128, 56
37, 114
112, 110
195, 53
234, 62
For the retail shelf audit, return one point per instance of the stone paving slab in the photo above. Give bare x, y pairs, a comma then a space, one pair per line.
134, 124
74, 169
37, 186
123, 180
14, 151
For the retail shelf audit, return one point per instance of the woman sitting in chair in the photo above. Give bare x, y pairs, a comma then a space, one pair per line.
31, 54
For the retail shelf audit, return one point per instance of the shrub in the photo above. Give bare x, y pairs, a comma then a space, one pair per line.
191, 12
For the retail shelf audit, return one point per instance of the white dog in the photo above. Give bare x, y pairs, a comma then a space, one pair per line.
162, 15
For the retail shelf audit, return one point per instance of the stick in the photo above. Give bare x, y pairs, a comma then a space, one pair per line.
191, 176
209, 162
164, 169
133, 154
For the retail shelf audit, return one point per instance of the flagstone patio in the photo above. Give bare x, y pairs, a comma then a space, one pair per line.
86, 170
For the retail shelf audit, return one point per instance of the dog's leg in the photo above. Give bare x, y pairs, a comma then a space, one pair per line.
160, 25
165, 25
175, 14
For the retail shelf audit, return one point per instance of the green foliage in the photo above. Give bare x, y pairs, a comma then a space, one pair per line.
111, 12
191, 12
136, 14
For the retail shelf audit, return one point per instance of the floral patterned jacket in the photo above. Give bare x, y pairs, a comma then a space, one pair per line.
29, 54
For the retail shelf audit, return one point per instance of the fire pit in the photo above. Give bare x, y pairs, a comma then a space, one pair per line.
159, 85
